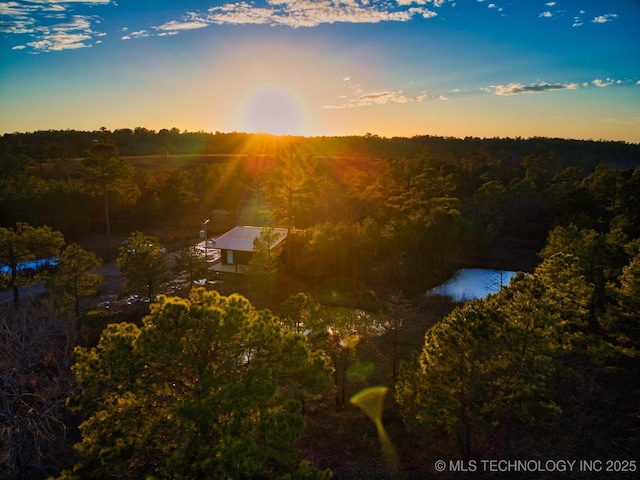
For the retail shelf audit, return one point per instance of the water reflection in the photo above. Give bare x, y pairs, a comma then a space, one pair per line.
30, 265
472, 283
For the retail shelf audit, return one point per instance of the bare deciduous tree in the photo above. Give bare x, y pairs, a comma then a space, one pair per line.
35, 359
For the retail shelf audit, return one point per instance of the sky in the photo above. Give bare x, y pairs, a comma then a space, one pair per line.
454, 68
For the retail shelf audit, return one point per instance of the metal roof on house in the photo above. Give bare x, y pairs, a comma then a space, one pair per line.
241, 239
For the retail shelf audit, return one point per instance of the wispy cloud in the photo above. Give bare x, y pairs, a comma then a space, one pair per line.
50, 25
578, 20
518, 88
356, 97
77, 33
377, 98
540, 87
137, 34
607, 17
435, 3
603, 83
181, 25
52, 2
305, 13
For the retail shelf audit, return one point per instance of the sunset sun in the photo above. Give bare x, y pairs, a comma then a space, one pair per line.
273, 109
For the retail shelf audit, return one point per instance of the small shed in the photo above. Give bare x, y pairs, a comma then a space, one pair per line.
236, 245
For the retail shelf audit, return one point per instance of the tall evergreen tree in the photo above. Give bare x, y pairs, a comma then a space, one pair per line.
286, 186
74, 278
487, 368
107, 174
192, 264
143, 263
202, 390
263, 264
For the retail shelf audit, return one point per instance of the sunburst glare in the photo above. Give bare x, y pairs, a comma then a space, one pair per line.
273, 109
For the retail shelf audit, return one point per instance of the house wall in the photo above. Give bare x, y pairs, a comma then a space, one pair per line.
239, 258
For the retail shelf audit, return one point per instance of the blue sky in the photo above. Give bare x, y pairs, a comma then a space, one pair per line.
482, 68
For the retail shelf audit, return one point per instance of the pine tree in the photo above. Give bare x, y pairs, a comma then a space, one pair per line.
199, 391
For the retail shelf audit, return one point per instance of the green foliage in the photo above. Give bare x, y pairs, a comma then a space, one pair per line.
264, 261
447, 384
379, 214
299, 313
105, 173
14, 165
73, 278
192, 264
608, 262
490, 364
171, 193
622, 319
334, 250
429, 201
200, 391
342, 333
143, 263
398, 310
223, 185
287, 184
339, 334
24, 243
600, 257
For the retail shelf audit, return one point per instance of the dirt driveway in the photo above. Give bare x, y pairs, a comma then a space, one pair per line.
112, 285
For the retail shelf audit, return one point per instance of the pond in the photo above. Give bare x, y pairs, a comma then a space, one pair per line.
473, 283
29, 265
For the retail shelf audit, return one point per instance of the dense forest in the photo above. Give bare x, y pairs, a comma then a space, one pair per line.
67, 144
251, 376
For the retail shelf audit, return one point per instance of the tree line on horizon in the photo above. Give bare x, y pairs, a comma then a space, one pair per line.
50, 145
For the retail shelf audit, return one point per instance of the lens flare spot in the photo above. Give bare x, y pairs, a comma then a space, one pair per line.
371, 402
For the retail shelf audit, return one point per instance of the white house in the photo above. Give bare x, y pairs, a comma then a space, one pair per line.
236, 246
